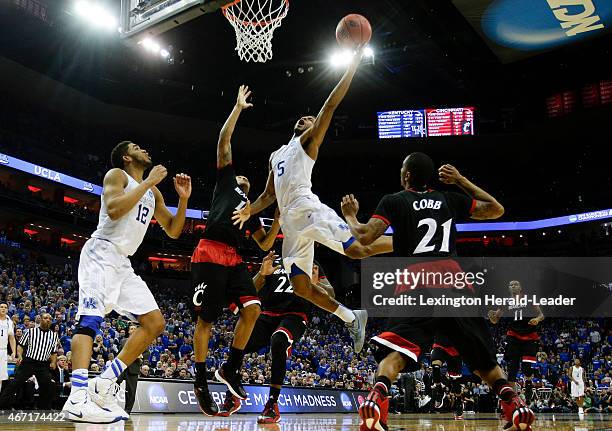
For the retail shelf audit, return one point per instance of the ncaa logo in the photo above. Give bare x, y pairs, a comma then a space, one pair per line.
346, 401
157, 397
532, 25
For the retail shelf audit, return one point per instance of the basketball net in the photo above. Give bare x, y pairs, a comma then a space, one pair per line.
254, 22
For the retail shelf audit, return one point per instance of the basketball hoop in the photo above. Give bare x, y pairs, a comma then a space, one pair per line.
254, 22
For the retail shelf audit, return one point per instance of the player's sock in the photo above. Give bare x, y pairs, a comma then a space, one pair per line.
114, 370
345, 314
200, 377
274, 393
503, 390
235, 360
383, 384
78, 381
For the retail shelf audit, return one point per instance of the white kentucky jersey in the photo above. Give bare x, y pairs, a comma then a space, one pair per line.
6, 329
127, 232
577, 374
292, 169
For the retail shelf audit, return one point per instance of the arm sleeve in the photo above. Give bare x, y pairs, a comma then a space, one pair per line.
462, 205
385, 210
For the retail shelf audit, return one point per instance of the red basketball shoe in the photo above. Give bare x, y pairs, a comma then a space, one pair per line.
518, 416
374, 411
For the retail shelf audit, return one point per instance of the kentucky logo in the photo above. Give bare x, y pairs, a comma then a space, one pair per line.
4, 160
343, 226
88, 187
90, 303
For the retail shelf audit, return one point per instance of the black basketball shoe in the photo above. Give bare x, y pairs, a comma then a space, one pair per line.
208, 406
232, 381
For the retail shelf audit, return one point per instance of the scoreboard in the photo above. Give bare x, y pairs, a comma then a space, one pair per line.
421, 123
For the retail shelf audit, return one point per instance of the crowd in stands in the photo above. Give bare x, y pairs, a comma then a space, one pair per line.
322, 358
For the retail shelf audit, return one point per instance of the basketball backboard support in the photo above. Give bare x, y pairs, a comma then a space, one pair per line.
153, 17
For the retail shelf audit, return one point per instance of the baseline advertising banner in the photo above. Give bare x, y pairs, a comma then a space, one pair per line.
163, 396
514, 29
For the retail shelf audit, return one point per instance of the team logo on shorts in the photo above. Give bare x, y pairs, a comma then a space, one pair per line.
343, 226
90, 303
197, 295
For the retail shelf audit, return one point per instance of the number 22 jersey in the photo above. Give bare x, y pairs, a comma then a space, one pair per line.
278, 299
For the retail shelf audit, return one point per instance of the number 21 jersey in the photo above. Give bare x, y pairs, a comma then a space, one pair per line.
424, 221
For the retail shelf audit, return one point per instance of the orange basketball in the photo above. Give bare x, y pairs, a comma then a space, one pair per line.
353, 30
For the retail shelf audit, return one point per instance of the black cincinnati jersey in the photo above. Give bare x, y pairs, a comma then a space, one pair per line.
424, 222
227, 198
519, 317
277, 296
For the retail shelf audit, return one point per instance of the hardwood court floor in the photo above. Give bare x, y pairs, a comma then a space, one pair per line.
311, 422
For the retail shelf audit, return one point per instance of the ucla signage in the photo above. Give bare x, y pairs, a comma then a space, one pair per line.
515, 28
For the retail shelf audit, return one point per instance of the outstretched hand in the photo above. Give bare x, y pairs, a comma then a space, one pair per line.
242, 99
349, 206
267, 264
242, 215
182, 185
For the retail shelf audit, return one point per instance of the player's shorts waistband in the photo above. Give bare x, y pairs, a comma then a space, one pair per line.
209, 251
532, 336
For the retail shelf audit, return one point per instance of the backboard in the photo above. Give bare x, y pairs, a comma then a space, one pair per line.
153, 17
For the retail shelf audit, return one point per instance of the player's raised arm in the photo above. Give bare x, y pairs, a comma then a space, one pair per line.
224, 146
367, 233
118, 202
486, 207
265, 199
313, 137
265, 240
173, 224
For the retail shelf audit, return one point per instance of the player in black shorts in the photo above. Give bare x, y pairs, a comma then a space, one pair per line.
219, 276
423, 223
443, 352
281, 323
522, 339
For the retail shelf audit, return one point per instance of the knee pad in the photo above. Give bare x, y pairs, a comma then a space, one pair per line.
89, 325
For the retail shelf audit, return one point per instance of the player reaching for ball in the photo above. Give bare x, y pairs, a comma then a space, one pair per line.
304, 219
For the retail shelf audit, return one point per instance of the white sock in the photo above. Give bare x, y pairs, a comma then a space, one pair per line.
114, 370
345, 314
78, 381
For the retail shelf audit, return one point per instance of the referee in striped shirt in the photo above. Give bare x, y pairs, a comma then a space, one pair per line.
40, 347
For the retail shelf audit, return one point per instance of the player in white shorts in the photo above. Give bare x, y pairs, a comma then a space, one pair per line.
107, 281
576, 375
7, 336
304, 219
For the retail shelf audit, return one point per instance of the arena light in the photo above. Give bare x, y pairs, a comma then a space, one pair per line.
341, 58
95, 14
368, 52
